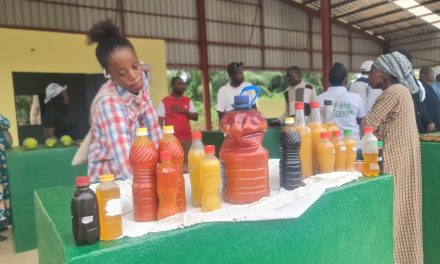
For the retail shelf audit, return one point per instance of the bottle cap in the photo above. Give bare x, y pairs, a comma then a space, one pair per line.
336, 133
106, 178
324, 134
347, 132
210, 149
141, 131
379, 144
368, 130
82, 181
289, 120
241, 99
197, 135
299, 105
168, 129
165, 155
314, 104
328, 102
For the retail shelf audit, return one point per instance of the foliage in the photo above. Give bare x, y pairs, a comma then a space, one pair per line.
23, 105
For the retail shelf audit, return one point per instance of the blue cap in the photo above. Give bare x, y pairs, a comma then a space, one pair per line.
241, 99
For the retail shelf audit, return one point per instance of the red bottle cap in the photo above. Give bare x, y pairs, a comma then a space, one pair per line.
314, 104
336, 133
82, 181
324, 135
299, 106
368, 130
209, 149
165, 156
197, 135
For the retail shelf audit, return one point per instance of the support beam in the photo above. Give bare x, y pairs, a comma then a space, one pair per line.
203, 48
343, 3
262, 38
326, 41
120, 7
350, 51
306, 2
310, 36
356, 11
405, 29
398, 21
416, 34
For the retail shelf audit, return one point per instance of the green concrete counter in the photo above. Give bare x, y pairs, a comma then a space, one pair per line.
31, 170
430, 154
349, 224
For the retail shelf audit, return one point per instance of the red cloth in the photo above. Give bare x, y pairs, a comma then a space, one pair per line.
182, 129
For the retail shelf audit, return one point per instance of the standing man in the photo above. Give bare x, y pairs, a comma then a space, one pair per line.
225, 96
363, 89
436, 84
176, 110
348, 108
431, 104
298, 91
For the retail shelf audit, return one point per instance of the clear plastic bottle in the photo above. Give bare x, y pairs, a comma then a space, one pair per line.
195, 155
210, 180
317, 128
326, 154
370, 153
109, 204
329, 123
340, 151
350, 144
305, 153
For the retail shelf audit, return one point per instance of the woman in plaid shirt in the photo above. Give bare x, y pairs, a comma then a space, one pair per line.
122, 104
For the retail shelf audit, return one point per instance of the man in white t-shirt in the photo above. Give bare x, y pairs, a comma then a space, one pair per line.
363, 89
225, 96
348, 108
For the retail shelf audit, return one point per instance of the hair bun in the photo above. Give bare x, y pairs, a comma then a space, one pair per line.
103, 31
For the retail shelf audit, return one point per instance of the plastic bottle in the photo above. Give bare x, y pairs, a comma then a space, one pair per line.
350, 144
85, 217
290, 164
380, 155
170, 143
195, 155
326, 154
210, 177
329, 123
143, 161
167, 186
317, 128
340, 151
305, 153
244, 159
370, 153
109, 204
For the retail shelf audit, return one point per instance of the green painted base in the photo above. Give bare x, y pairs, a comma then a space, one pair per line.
350, 224
31, 170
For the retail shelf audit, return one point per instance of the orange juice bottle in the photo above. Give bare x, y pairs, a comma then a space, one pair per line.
326, 154
329, 123
167, 186
210, 180
317, 128
171, 144
340, 151
195, 155
370, 153
350, 144
143, 161
305, 153
109, 204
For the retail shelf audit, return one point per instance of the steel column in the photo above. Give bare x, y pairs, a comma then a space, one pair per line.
326, 40
203, 48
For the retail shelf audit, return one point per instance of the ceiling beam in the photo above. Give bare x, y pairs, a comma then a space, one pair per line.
416, 34
306, 2
335, 21
404, 29
388, 13
398, 21
343, 3
362, 9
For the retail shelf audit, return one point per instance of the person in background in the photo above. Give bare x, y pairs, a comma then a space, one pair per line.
57, 120
436, 84
431, 104
176, 110
361, 87
348, 108
298, 91
122, 104
5, 209
392, 117
225, 96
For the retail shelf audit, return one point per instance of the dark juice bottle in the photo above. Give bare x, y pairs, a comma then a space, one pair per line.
84, 208
290, 164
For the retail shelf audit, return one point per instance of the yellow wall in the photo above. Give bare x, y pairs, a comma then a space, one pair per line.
39, 51
272, 108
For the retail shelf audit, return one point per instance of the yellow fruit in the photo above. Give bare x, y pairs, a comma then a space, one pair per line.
50, 142
30, 143
66, 140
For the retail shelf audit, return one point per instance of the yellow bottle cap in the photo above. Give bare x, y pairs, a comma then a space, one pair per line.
142, 131
289, 120
106, 178
168, 129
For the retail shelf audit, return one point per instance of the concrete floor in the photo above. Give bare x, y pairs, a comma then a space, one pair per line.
7, 254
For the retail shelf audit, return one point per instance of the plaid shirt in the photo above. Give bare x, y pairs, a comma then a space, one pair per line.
114, 120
